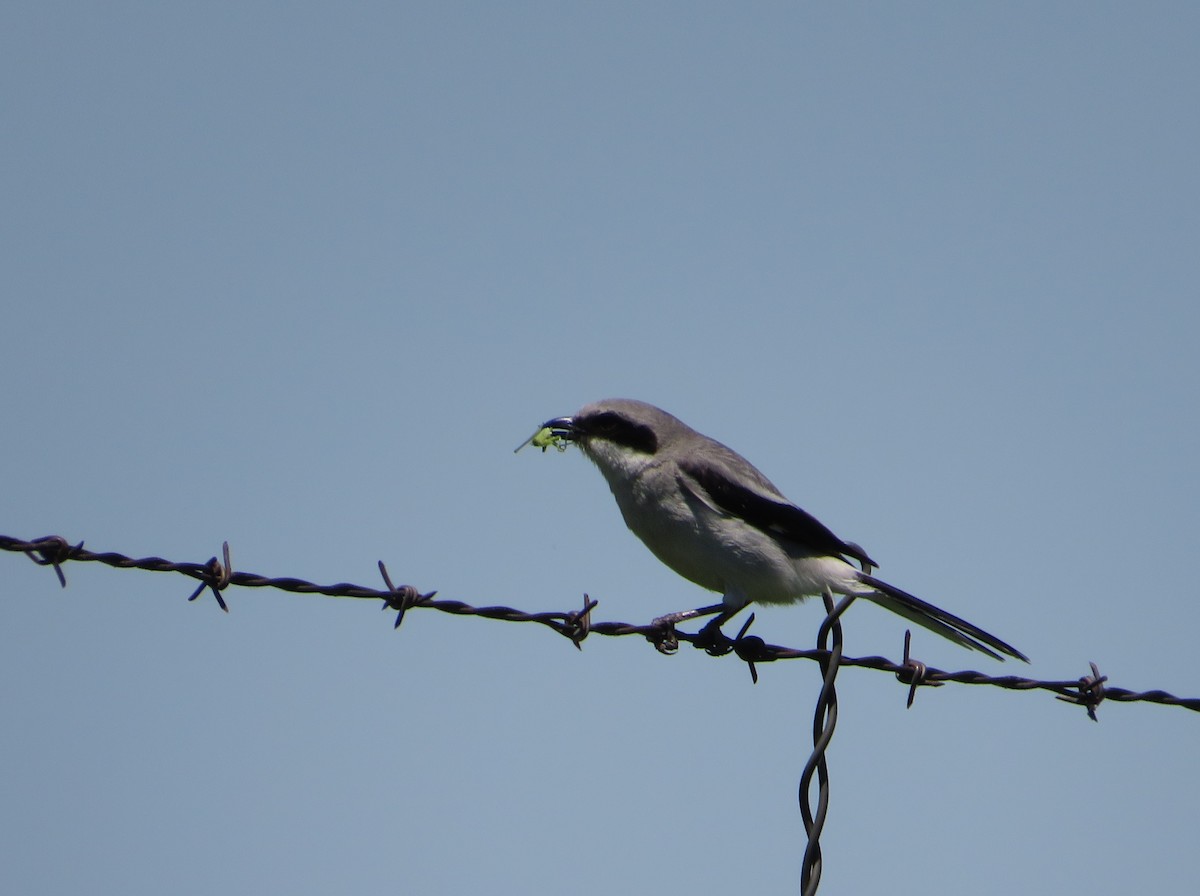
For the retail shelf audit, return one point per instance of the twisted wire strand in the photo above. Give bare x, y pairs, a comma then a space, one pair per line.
824, 723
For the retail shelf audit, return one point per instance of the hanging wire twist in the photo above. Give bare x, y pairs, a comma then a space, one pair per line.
824, 723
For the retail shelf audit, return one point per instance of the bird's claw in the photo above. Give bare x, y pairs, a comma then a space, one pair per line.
712, 640
662, 635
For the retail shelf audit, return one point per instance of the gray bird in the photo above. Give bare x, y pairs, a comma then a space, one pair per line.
710, 515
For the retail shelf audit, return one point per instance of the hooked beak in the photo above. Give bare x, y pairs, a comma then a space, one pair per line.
562, 428
556, 432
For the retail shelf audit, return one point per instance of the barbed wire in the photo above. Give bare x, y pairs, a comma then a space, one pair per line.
218, 575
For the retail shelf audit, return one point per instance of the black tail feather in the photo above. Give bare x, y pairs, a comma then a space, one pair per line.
937, 620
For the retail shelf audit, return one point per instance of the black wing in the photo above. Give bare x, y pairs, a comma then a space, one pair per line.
771, 515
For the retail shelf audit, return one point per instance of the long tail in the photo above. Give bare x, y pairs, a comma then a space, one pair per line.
936, 619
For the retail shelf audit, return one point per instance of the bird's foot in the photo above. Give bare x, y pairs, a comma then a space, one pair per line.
712, 640
709, 638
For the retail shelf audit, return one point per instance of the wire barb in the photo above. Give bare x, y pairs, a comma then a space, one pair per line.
215, 575
401, 599
914, 673
1091, 692
53, 550
578, 625
751, 649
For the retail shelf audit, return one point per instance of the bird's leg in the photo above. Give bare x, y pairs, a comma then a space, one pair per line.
718, 610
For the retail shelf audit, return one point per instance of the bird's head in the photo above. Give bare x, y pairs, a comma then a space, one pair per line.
620, 435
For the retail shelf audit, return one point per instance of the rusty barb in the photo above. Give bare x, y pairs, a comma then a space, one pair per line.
218, 576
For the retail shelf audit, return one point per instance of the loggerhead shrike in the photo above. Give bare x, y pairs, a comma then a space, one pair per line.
706, 512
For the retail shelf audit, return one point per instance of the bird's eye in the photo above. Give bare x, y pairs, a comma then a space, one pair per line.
620, 430
606, 423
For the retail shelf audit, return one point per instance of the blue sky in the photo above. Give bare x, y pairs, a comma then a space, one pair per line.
300, 276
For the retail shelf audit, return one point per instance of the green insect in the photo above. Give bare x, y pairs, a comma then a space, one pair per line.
545, 438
